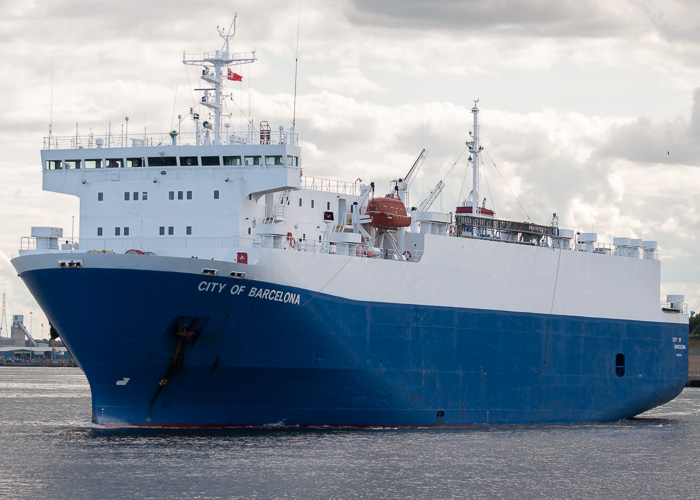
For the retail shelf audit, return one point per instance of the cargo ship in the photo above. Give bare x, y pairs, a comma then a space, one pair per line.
214, 284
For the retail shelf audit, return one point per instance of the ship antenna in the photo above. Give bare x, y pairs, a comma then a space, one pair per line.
296, 67
216, 62
51, 105
475, 148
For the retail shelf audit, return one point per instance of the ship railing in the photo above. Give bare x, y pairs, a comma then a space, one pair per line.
30, 243
314, 246
27, 243
215, 56
331, 185
680, 307
96, 141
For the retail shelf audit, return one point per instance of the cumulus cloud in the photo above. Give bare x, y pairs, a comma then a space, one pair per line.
563, 18
646, 142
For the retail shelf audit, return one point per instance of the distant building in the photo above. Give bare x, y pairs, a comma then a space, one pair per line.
18, 336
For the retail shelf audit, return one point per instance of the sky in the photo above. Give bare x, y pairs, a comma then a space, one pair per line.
590, 109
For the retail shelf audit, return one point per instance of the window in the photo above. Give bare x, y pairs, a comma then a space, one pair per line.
100, 196
126, 231
290, 160
232, 160
114, 163
162, 161
253, 160
188, 160
93, 163
273, 160
144, 195
179, 195
212, 160
248, 230
116, 231
171, 195
54, 165
188, 230
299, 201
73, 164
328, 205
620, 365
216, 194
171, 230
135, 197
135, 162
99, 231
189, 195
312, 203
126, 196
162, 230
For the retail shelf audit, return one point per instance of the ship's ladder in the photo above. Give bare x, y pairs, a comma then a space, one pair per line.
279, 210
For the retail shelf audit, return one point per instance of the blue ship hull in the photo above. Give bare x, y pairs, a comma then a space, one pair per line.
302, 358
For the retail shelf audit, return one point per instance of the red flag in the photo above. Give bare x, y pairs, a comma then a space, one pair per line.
234, 76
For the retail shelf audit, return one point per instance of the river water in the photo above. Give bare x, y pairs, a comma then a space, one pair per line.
49, 449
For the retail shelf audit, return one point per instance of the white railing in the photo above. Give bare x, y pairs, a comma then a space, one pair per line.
91, 140
675, 306
331, 185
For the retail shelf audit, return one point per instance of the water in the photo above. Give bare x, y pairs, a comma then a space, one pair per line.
49, 449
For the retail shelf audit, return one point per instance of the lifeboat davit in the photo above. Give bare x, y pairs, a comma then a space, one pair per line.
388, 213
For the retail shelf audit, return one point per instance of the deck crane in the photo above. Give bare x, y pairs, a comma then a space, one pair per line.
403, 185
431, 197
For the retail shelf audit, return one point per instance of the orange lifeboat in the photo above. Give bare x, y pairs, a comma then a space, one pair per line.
388, 213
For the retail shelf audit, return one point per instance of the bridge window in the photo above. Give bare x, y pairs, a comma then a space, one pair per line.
162, 161
135, 162
212, 160
115, 163
188, 160
620, 365
273, 160
232, 160
54, 165
93, 163
73, 164
253, 160
292, 161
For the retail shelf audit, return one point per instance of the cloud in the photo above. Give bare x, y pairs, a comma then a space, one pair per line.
558, 18
347, 81
646, 142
